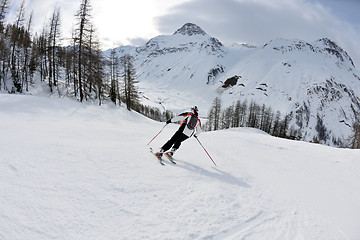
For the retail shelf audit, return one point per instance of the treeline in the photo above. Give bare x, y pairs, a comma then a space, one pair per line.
154, 113
250, 114
78, 68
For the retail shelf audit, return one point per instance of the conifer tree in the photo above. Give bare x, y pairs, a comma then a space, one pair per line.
99, 74
16, 31
227, 117
236, 115
4, 5
253, 116
81, 32
276, 126
26, 45
215, 115
130, 92
355, 137
114, 77
53, 37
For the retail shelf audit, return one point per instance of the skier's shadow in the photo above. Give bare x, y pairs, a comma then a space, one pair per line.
218, 175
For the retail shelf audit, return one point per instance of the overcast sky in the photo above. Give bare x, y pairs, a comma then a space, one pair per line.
122, 22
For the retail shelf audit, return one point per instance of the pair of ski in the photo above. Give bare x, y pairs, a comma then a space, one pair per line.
161, 161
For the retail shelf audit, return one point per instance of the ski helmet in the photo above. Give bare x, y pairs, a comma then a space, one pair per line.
195, 110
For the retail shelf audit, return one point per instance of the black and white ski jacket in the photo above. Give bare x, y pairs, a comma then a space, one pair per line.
185, 119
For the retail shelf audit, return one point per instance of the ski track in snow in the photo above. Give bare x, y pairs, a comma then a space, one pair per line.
77, 171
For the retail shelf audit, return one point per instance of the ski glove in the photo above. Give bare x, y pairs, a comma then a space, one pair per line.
168, 121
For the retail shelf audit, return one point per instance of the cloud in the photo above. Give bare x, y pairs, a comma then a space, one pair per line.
128, 21
42, 11
252, 21
139, 41
259, 21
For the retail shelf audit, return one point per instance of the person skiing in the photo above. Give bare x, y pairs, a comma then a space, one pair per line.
190, 126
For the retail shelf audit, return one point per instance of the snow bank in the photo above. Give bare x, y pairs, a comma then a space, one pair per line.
79, 171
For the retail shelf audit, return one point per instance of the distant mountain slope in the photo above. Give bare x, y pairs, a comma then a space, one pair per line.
315, 83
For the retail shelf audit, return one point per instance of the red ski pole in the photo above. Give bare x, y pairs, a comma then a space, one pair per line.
206, 151
157, 134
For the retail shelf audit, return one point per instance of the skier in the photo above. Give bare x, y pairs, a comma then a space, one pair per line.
191, 126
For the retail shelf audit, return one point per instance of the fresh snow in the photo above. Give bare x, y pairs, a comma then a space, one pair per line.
79, 171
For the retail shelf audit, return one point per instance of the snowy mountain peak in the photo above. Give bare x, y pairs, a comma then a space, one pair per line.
321, 46
190, 29
188, 38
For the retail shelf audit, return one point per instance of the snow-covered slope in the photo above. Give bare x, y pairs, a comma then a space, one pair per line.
79, 171
316, 82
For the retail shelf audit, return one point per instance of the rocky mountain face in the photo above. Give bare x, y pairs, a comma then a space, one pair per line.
315, 83
190, 29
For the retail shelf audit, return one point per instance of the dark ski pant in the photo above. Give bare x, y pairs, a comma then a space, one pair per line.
175, 141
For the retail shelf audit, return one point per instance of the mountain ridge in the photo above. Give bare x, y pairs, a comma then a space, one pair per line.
314, 82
